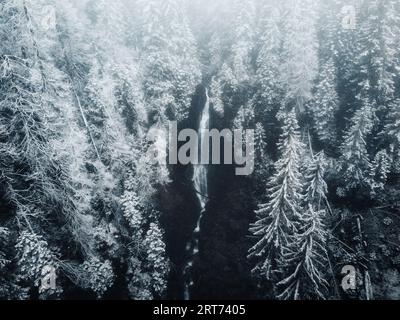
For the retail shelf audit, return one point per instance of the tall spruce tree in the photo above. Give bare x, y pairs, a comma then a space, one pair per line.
269, 90
307, 253
355, 162
276, 222
299, 54
325, 104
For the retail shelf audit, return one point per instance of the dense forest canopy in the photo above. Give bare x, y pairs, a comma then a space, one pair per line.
89, 209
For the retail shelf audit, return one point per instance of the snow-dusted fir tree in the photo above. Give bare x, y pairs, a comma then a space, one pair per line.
34, 256
269, 49
23, 101
345, 37
147, 262
156, 259
355, 162
260, 141
378, 43
392, 132
99, 275
244, 118
170, 66
307, 258
276, 222
133, 211
329, 24
9, 287
243, 39
316, 187
380, 169
263, 163
392, 127
30, 108
325, 104
299, 52
216, 93
307, 254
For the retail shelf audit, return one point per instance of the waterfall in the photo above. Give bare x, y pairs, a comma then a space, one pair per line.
200, 170
201, 189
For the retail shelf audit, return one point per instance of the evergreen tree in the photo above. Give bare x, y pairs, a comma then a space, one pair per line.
307, 253
269, 88
307, 259
392, 132
260, 143
171, 69
299, 53
355, 161
276, 222
380, 169
325, 104
243, 39
316, 187
34, 255
378, 57
99, 275
157, 260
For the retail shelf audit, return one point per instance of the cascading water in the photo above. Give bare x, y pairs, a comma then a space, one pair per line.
201, 188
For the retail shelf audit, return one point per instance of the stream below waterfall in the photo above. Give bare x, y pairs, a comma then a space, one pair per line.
201, 188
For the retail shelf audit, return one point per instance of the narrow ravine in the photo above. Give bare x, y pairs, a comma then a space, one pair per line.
201, 188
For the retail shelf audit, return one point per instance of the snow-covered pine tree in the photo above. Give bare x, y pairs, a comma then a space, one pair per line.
325, 104
34, 255
392, 133
307, 259
307, 253
316, 187
380, 168
147, 261
345, 49
216, 94
133, 211
378, 58
30, 110
170, 66
24, 113
260, 141
328, 25
346, 38
244, 118
9, 287
243, 39
299, 52
355, 162
269, 89
263, 162
99, 275
231, 53
157, 261
276, 222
